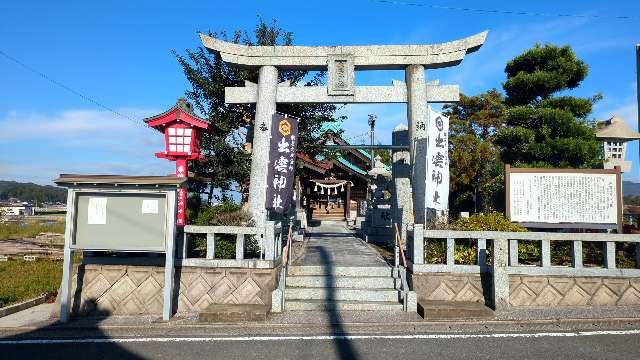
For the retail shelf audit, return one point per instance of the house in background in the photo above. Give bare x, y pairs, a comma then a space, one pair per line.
16, 208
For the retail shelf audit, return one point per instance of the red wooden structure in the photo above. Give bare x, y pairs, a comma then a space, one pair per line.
182, 130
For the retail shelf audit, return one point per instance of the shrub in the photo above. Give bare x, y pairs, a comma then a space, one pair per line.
435, 251
493, 221
210, 215
228, 214
466, 253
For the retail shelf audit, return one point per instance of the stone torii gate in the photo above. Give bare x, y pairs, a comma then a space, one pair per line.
341, 62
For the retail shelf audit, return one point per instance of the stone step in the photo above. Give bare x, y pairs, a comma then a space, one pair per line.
453, 310
365, 295
331, 270
323, 305
319, 281
233, 313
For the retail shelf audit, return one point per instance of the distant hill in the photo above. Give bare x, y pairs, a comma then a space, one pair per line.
630, 188
32, 192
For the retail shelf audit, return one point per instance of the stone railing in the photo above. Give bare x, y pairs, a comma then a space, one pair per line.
269, 241
577, 267
504, 281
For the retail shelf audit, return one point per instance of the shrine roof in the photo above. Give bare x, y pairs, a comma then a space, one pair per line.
182, 111
119, 179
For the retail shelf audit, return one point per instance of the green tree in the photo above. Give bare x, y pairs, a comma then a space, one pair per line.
475, 167
542, 129
227, 147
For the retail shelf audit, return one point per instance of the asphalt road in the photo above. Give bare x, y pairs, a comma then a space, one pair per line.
527, 345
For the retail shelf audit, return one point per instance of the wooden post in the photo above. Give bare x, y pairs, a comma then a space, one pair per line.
170, 235
545, 256
577, 254
67, 268
239, 246
513, 253
347, 203
185, 249
451, 248
482, 252
500, 275
211, 246
269, 241
610, 254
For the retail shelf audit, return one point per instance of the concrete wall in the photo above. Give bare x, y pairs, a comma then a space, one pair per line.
452, 287
545, 291
133, 290
529, 291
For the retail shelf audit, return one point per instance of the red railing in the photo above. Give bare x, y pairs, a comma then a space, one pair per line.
287, 249
399, 248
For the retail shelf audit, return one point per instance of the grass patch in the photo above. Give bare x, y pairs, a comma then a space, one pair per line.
13, 230
21, 280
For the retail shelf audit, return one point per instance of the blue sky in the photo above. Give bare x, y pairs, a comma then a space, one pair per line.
119, 53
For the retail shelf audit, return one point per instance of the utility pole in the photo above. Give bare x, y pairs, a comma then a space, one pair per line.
638, 85
372, 125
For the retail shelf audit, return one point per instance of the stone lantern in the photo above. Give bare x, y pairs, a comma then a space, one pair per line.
615, 133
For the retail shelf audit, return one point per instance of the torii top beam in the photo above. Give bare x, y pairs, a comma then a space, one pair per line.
383, 57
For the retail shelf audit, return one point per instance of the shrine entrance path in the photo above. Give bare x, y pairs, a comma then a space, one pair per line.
332, 244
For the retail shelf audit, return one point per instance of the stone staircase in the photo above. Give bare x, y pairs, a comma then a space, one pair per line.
329, 288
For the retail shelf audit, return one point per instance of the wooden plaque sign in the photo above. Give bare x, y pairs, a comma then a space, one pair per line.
564, 198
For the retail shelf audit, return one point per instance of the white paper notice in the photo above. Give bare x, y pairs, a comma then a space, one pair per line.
97, 211
563, 198
149, 206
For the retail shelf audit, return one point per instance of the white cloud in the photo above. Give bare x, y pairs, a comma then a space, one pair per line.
69, 124
38, 147
627, 110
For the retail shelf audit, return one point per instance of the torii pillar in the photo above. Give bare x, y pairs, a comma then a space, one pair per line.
417, 117
265, 108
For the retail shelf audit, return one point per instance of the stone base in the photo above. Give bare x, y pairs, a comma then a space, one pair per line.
101, 290
276, 301
453, 310
528, 290
225, 313
553, 291
452, 287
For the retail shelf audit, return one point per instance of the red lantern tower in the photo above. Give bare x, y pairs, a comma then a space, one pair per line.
182, 130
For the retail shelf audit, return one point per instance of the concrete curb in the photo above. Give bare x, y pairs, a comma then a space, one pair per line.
6, 311
429, 326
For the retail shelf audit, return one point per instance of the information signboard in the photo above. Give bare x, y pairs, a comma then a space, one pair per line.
120, 221
561, 198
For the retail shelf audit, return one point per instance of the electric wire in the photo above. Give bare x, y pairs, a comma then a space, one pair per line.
505, 11
67, 88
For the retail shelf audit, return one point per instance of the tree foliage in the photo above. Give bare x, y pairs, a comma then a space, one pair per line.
227, 147
543, 130
475, 167
32, 192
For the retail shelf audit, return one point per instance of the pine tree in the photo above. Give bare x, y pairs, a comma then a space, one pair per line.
543, 129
